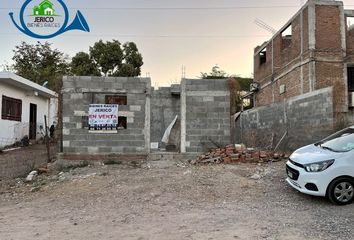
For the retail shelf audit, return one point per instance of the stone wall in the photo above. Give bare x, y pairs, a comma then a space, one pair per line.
79, 92
302, 120
205, 110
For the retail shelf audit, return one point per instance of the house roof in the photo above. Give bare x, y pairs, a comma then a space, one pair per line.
46, 1
25, 84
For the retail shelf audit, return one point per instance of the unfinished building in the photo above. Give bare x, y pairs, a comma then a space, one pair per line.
196, 113
304, 79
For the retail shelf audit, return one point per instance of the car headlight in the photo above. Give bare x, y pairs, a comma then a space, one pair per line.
319, 166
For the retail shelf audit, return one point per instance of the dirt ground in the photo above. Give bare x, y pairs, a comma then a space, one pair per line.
166, 200
20, 161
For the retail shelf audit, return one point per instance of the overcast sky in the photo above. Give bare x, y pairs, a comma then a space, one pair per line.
195, 33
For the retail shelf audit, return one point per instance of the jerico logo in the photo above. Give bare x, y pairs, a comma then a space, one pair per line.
46, 19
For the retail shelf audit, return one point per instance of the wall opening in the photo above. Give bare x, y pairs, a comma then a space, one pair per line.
351, 79
122, 123
33, 121
287, 35
350, 23
116, 99
263, 56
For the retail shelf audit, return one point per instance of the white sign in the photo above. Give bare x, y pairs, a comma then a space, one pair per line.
103, 114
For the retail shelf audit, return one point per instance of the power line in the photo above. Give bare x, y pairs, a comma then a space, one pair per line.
176, 8
156, 36
189, 8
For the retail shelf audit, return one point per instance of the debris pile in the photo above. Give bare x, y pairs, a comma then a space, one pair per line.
32, 176
237, 153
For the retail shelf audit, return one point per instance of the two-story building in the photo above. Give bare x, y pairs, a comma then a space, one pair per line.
304, 77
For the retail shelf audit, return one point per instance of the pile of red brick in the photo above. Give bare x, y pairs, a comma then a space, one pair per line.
236, 154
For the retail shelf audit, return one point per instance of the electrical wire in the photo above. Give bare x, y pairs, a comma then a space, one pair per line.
156, 36
175, 8
178, 8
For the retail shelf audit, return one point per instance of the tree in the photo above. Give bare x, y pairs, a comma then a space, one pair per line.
108, 56
82, 65
113, 60
215, 73
238, 87
126, 70
40, 63
132, 61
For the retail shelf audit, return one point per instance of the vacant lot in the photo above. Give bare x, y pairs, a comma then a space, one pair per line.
164, 200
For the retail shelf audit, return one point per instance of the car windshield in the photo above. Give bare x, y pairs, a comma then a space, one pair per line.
342, 141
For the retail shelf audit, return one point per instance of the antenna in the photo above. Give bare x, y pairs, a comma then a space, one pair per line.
264, 25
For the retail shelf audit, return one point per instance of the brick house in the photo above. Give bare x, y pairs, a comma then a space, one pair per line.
305, 77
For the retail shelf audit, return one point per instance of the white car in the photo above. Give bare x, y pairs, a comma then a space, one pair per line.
325, 168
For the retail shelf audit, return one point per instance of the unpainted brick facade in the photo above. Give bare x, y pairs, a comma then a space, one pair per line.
304, 79
313, 57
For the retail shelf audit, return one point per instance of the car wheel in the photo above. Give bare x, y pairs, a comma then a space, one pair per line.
341, 191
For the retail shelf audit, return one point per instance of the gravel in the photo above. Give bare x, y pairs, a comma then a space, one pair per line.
166, 200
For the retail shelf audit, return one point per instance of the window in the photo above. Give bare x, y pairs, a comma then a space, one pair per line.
342, 141
122, 123
263, 56
350, 23
116, 99
286, 35
85, 122
11, 109
351, 79
120, 100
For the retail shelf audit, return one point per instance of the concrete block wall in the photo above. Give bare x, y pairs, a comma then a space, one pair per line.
306, 119
205, 110
165, 106
79, 92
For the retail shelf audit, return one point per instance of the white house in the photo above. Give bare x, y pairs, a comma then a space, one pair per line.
23, 105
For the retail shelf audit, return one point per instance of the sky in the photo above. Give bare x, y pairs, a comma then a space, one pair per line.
196, 34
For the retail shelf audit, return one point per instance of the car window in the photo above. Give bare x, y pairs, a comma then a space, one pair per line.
342, 141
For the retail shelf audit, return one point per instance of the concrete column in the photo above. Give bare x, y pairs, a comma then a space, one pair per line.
312, 44
344, 47
272, 55
183, 115
302, 52
343, 29
147, 116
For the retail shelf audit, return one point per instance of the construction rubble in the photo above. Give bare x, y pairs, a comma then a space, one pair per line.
236, 154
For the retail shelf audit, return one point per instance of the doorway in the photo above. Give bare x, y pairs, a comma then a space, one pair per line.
33, 122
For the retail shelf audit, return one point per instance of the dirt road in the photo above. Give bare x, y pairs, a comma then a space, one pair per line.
161, 200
